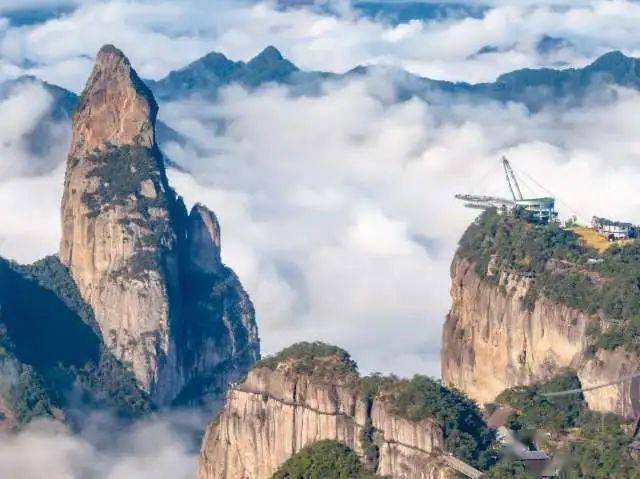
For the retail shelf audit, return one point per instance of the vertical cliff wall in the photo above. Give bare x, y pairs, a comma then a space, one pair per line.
164, 302
492, 342
281, 408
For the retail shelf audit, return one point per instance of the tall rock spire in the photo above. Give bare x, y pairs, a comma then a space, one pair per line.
126, 238
204, 239
116, 107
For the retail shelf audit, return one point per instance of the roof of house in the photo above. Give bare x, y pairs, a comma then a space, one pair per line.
531, 455
499, 417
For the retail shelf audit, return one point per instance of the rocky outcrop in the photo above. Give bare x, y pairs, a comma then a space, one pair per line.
163, 301
276, 412
204, 240
492, 342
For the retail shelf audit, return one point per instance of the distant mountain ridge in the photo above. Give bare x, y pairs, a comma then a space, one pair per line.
215, 70
535, 88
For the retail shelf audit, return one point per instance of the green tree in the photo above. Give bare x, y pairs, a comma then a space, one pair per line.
324, 460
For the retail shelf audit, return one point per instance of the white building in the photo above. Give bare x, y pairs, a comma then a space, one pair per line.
613, 230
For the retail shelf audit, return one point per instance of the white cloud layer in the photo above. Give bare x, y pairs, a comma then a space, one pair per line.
337, 211
60, 49
162, 447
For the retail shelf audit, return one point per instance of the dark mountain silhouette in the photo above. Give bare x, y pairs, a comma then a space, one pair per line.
214, 70
535, 88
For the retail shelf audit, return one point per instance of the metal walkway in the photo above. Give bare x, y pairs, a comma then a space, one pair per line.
461, 466
591, 388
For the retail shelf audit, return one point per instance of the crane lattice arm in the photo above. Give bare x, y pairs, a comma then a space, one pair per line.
514, 187
482, 202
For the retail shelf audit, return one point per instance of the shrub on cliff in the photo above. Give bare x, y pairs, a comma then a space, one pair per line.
508, 469
47, 332
313, 358
324, 460
535, 411
601, 450
595, 445
465, 433
21, 390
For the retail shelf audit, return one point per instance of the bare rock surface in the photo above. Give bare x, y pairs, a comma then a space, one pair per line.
491, 342
274, 413
164, 302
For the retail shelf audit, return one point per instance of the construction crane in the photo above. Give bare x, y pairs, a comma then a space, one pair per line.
538, 210
481, 202
514, 187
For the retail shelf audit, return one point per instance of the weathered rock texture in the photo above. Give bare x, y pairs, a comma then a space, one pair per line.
275, 413
204, 238
164, 302
491, 342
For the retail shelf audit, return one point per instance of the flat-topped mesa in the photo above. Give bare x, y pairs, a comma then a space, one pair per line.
131, 247
311, 392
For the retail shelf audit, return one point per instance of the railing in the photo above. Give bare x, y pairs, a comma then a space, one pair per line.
462, 467
591, 388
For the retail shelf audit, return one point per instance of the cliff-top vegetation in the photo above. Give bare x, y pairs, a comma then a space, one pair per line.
415, 399
533, 410
604, 284
324, 460
465, 432
317, 359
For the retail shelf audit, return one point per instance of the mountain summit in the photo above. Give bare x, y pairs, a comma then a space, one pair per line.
116, 108
132, 249
205, 75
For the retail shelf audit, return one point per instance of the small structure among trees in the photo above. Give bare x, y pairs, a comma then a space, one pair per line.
613, 230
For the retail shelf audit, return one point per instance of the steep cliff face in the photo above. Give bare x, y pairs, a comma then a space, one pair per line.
204, 240
491, 342
606, 366
277, 411
163, 301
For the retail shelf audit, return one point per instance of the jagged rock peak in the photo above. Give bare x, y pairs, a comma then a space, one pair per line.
204, 240
270, 53
130, 247
119, 216
116, 107
271, 60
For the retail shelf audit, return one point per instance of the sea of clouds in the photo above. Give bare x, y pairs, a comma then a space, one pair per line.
161, 447
337, 209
